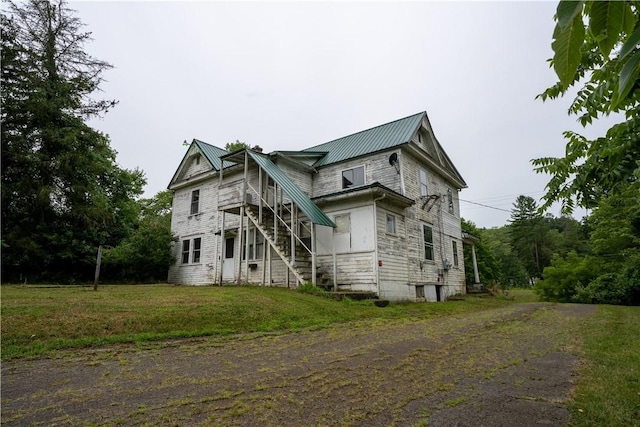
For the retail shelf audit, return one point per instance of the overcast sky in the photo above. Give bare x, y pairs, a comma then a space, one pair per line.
290, 75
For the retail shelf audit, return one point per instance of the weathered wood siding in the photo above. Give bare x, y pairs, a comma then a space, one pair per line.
185, 225
446, 227
393, 275
376, 169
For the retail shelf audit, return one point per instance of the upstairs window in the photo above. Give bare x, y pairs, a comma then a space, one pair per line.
423, 183
450, 200
353, 177
427, 240
195, 202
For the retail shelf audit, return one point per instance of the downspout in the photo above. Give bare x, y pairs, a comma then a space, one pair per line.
375, 239
402, 190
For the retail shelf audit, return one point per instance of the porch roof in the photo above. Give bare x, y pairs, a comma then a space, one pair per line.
374, 188
299, 197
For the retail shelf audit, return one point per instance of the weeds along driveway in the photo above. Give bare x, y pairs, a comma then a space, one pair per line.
501, 367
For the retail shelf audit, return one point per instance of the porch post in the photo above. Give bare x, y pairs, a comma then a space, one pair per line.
275, 212
293, 231
313, 253
241, 243
246, 250
335, 264
476, 275
260, 195
222, 246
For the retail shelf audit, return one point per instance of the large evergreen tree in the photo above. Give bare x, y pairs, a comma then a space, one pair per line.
62, 191
529, 233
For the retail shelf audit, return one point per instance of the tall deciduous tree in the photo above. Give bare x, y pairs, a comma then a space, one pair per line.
488, 264
597, 49
146, 254
62, 191
236, 146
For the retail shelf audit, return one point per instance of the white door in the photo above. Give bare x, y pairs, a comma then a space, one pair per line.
228, 264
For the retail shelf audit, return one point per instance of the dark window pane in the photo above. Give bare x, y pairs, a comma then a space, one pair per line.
185, 251
196, 249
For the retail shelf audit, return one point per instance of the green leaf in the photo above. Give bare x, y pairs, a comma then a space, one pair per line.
605, 22
628, 78
567, 11
566, 46
630, 19
632, 42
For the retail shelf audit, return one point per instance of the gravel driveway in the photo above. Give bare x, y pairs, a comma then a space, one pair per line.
502, 367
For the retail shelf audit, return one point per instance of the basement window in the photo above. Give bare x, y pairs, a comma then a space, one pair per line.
353, 177
419, 291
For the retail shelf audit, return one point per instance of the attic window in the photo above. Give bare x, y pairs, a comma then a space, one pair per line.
197, 159
353, 177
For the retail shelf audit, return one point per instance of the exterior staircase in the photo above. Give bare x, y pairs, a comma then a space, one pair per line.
301, 267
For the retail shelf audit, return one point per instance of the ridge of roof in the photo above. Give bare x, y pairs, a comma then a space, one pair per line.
370, 140
211, 153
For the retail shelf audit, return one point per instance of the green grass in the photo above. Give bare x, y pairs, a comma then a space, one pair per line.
608, 387
39, 320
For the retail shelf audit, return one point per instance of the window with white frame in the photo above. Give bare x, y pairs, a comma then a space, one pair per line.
423, 183
353, 177
450, 200
454, 245
185, 251
391, 224
427, 241
191, 250
255, 243
195, 202
197, 243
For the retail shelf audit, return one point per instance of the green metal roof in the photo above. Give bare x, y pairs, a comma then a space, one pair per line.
211, 152
369, 141
299, 197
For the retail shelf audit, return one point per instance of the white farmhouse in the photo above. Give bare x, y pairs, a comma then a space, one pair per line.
376, 211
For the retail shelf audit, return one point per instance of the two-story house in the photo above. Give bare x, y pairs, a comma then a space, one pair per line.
376, 211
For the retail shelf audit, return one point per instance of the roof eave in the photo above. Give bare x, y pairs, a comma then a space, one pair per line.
372, 189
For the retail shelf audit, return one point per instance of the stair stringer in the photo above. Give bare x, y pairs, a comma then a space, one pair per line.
300, 278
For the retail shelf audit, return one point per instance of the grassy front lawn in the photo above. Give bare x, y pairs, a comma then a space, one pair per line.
37, 320
607, 392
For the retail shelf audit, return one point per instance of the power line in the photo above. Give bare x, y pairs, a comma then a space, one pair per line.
485, 206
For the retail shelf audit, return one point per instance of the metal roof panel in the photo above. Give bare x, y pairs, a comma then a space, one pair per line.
369, 141
299, 197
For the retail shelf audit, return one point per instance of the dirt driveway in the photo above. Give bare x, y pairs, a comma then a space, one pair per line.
503, 367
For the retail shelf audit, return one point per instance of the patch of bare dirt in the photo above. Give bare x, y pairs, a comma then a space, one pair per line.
503, 367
